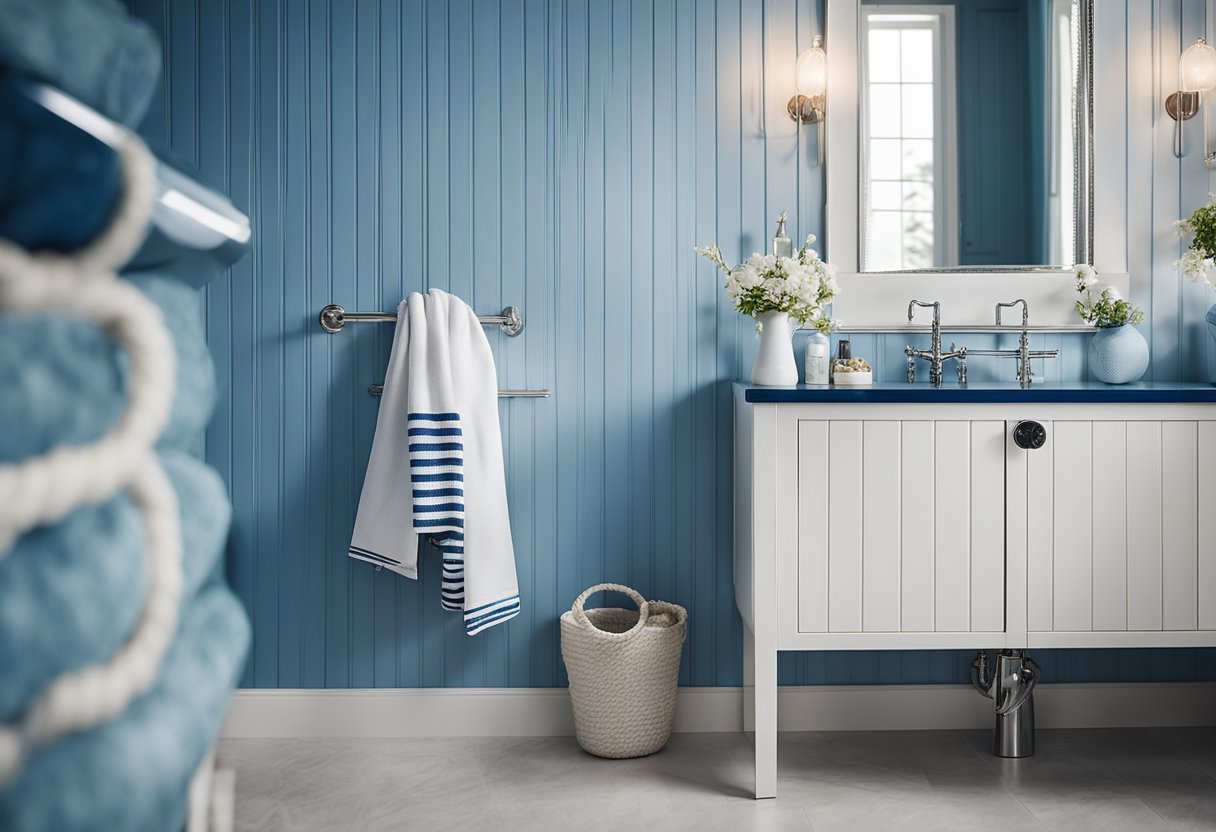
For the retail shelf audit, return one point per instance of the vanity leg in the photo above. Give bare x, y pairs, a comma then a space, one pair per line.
760, 709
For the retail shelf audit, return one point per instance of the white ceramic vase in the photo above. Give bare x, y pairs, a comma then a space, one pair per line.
775, 365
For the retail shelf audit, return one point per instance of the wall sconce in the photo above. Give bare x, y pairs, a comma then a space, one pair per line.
811, 82
1196, 75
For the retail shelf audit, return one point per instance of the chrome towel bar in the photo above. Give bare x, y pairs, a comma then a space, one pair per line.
333, 318
378, 389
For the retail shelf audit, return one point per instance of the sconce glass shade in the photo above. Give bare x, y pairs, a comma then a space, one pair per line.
811, 70
1197, 67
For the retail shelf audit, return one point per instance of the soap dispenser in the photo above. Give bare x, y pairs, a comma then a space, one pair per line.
783, 246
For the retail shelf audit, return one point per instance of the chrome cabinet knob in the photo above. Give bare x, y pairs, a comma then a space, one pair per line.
1029, 436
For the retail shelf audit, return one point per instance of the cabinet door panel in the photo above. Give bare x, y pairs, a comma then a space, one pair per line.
1120, 544
901, 526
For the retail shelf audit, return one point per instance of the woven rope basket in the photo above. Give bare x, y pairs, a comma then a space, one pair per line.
624, 667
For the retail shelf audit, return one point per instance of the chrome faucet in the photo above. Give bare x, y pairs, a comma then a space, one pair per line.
1024, 353
934, 354
1023, 341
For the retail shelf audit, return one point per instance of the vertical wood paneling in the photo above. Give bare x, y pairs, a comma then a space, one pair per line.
952, 520
1179, 525
1040, 536
813, 520
1109, 528
844, 526
916, 525
1073, 521
1207, 526
565, 156
880, 549
987, 526
1144, 525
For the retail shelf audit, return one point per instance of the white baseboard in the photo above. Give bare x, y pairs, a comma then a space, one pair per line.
429, 712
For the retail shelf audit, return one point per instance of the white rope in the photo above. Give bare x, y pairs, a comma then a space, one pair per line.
46, 489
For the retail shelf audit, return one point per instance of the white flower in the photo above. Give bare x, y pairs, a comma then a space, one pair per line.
1111, 293
1184, 228
1086, 276
1196, 266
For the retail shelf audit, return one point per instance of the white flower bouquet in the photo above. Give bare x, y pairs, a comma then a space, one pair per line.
1197, 263
1108, 309
801, 285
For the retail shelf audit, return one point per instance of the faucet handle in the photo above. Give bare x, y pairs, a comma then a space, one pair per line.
1012, 303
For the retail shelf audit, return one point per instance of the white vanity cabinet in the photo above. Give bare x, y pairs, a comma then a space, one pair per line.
911, 519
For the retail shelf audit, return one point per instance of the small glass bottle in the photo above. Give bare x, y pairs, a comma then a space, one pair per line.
818, 350
783, 246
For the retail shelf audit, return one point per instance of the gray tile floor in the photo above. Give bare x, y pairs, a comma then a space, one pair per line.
1137, 780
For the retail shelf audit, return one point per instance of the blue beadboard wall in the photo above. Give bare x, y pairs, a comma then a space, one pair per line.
564, 157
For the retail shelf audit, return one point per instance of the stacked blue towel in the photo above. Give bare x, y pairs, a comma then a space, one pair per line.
70, 593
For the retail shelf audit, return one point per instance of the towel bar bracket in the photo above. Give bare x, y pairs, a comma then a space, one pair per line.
334, 318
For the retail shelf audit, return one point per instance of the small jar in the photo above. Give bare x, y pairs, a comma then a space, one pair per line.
818, 350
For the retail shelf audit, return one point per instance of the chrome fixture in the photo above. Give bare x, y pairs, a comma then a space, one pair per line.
544, 393
1196, 75
934, 354
1009, 682
333, 318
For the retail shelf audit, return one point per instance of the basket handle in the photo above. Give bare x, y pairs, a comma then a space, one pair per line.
643, 609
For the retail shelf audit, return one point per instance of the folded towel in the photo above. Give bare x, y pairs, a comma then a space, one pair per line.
132, 773
91, 49
70, 593
439, 446
63, 379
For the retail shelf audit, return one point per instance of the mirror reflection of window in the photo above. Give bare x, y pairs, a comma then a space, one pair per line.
908, 137
967, 151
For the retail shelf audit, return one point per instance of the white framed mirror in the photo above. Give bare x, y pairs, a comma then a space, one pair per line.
965, 160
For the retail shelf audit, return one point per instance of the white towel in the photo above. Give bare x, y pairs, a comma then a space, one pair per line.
438, 451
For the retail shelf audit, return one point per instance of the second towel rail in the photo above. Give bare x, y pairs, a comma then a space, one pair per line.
544, 393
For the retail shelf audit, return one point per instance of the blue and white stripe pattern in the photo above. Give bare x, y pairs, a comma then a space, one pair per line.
436, 449
487, 615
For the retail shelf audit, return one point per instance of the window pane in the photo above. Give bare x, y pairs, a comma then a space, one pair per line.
918, 160
884, 55
884, 241
918, 196
917, 116
918, 239
884, 159
884, 110
885, 196
916, 55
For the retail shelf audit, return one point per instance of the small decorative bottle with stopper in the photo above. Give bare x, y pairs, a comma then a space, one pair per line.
783, 246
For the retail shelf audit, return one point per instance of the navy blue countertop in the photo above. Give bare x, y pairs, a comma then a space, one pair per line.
1059, 392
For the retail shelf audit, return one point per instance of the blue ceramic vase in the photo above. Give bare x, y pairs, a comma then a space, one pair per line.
1118, 354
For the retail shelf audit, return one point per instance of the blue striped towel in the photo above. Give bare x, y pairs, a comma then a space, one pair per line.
442, 385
